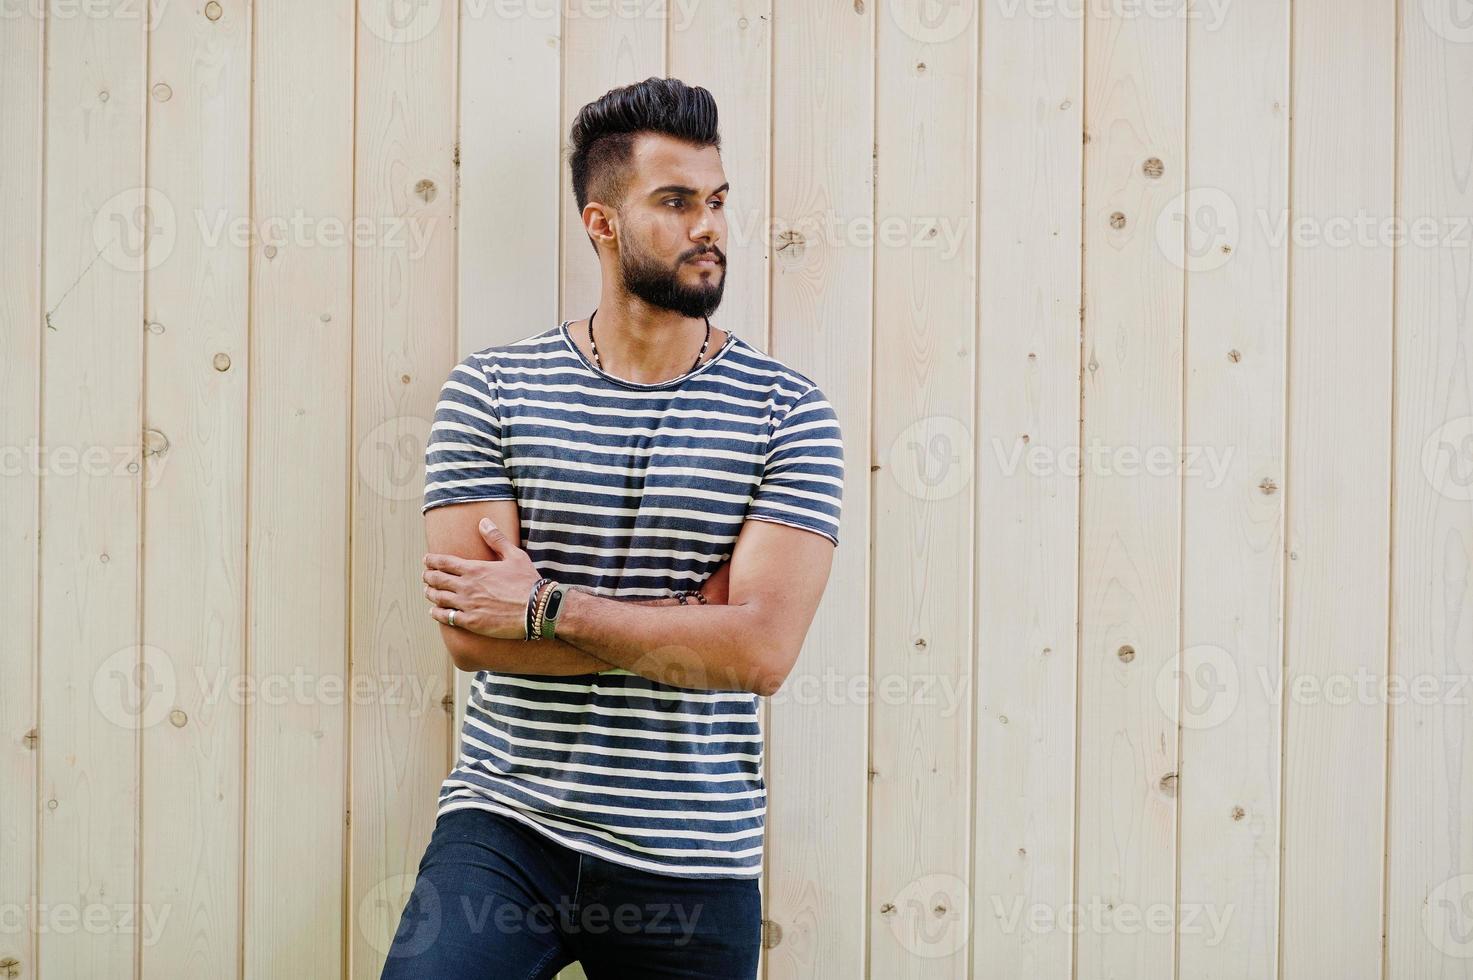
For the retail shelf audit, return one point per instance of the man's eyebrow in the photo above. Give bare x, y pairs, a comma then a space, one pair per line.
682, 189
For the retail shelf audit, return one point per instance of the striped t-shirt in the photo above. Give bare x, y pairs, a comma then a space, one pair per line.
629, 491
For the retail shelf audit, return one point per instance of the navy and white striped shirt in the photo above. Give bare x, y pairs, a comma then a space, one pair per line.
629, 491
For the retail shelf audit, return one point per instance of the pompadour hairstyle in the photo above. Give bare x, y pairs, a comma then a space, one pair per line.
604, 132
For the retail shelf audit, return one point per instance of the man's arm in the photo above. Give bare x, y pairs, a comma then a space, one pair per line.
778, 575
451, 530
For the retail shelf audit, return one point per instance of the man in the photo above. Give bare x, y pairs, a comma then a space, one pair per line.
655, 503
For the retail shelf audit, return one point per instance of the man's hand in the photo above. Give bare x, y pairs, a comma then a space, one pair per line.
489, 597
716, 588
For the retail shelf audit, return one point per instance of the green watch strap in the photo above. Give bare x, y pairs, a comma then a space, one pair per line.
554, 606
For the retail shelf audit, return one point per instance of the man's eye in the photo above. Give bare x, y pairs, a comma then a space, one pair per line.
719, 204
676, 201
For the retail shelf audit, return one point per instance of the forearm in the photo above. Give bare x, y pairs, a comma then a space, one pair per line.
550, 657
705, 647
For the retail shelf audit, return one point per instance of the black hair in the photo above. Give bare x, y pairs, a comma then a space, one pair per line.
604, 132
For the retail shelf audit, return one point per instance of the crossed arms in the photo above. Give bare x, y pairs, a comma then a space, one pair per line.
762, 602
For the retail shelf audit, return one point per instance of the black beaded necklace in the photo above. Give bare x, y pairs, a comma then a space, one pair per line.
599, 365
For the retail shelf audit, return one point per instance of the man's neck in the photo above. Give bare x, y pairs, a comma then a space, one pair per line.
644, 344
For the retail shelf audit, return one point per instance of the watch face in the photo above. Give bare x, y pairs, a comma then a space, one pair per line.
553, 602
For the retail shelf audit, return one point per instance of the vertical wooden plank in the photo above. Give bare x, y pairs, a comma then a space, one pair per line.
1027, 509
925, 284
22, 38
197, 359
1340, 315
404, 331
96, 683
1430, 831
822, 324
1233, 497
300, 459
507, 284
604, 47
726, 47
1131, 495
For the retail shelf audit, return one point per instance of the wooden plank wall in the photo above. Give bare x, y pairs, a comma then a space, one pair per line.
1159, 439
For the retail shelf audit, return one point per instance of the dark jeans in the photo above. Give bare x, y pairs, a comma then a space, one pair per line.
496, 899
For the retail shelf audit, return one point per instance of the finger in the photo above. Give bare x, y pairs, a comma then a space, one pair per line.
441, 597
453, 564
442, 614
440, 580
495, 537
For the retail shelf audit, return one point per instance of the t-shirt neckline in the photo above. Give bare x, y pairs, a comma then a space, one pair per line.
731, 339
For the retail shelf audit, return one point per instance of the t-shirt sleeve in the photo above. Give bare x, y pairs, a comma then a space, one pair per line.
463, 459
803, 479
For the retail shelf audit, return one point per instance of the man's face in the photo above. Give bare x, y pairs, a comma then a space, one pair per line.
672, 219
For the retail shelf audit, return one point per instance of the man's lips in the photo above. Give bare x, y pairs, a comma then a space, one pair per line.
706, 260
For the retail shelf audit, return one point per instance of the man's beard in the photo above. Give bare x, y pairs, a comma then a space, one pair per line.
662, 287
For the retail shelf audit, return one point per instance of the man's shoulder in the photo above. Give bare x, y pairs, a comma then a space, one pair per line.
777, 372
522, 346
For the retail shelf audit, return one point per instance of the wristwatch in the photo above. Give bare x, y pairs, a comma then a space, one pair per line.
554, 606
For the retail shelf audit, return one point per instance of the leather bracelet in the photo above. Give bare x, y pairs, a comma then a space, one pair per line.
532, 603
541, 607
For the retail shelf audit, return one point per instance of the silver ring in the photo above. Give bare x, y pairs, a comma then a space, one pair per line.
452, 617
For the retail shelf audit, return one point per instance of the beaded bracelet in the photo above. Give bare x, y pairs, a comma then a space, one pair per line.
540, 610
685, 597
532, 603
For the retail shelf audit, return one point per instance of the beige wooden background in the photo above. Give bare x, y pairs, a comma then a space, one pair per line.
1052, 704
